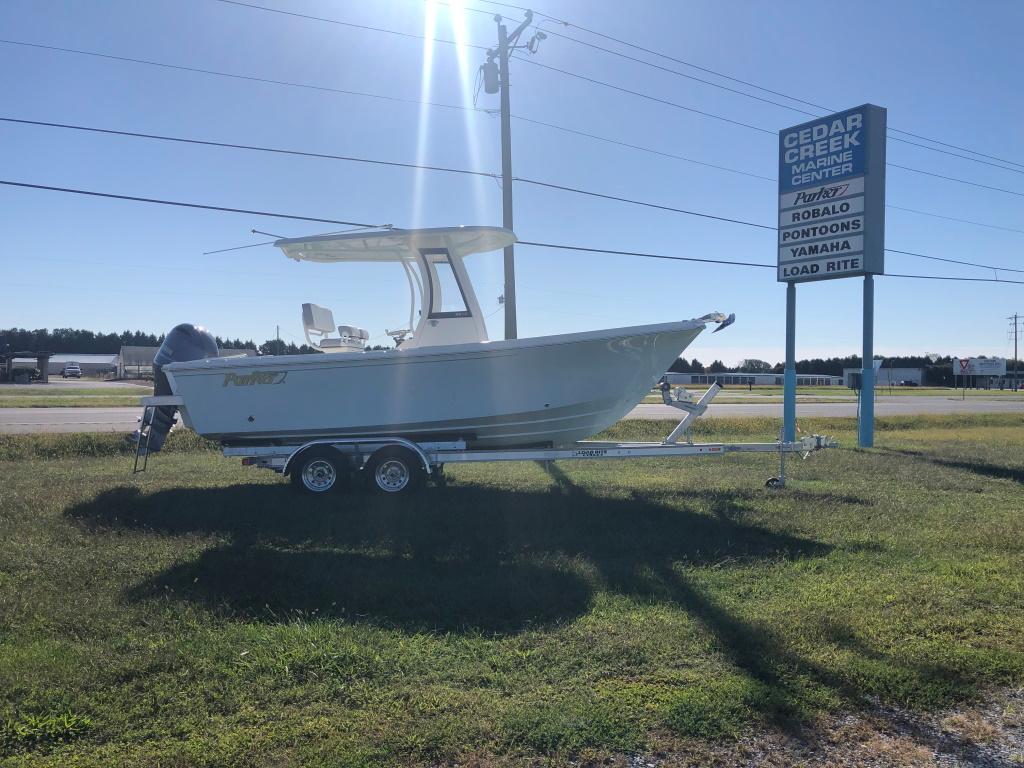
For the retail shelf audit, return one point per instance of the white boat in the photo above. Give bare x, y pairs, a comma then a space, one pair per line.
444, 381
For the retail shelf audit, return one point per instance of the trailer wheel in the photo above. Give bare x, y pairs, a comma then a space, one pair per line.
394, 470
318, 471
773, 482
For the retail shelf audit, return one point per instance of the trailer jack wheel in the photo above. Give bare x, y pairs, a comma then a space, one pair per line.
773, 482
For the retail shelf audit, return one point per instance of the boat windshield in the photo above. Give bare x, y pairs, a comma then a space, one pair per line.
447, 297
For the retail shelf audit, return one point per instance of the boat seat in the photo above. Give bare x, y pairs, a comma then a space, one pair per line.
354, 333
318, 323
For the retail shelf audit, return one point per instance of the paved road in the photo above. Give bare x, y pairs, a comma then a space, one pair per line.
14, 420
903, 405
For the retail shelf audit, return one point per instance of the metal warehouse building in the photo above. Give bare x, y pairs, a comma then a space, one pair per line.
137, 362
887, 377
753, 379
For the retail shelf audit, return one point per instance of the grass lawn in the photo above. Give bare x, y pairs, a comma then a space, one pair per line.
72, 401
40, 396
202, 614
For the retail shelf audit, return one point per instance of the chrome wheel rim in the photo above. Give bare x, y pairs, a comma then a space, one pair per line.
392, 475
319, 475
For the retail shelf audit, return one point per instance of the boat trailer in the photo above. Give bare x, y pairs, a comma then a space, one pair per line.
397, 464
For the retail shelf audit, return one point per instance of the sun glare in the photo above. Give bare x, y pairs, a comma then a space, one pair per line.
426, 86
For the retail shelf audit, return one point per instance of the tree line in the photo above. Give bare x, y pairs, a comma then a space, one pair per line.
75, 340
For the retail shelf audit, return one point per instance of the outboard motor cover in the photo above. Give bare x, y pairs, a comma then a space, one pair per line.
184, 343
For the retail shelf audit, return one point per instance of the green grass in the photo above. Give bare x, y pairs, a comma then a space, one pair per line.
41, 396
78, 401
201, 614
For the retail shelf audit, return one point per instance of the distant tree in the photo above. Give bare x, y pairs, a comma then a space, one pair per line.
696, 366
717, 367
680, 365
753, 365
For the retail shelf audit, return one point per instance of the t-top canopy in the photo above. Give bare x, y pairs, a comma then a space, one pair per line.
395, 244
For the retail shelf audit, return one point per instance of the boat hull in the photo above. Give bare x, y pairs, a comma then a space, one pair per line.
542, 391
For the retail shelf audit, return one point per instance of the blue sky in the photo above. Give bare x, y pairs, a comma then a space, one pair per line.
945, 70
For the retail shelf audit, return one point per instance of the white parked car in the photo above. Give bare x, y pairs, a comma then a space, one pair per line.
72, 370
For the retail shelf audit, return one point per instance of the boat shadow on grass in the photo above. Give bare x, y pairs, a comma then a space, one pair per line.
476, 560
461, 558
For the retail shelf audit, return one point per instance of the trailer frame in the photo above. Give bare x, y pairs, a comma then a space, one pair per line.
432, 456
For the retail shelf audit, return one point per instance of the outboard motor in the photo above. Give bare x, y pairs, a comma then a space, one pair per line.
184, 343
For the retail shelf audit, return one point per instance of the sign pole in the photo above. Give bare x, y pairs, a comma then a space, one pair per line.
789, 380
866, 428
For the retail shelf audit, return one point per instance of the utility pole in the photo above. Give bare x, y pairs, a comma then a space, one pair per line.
278, 327
496, 80
1015, 320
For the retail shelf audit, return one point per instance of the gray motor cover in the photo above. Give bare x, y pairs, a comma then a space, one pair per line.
184, 343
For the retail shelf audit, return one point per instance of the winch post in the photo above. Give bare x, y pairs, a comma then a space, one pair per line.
693, 411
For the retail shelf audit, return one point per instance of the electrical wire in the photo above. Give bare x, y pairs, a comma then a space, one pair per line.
533, 182
249, 147
453, 106
179, 204
657, 206
224, 209
236, 76
348, 158
724, 76
745, 263
414, 36
352, 25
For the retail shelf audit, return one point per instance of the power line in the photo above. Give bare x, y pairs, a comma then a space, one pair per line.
641, 254
420, 166
657, 206
248, 147
639, 148
236, 76
451, 106
954, 261
958, 280
352, 25
534, 182
707, 70
583, 249
179, 204
954, 218
953, 178
294, 217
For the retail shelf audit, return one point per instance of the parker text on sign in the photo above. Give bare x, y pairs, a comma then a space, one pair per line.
832, 196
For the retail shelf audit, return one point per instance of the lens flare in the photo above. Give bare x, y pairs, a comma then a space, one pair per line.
426, 85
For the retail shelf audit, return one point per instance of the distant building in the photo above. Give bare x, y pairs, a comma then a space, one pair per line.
887, 377
753, 379
91, 365
137, 362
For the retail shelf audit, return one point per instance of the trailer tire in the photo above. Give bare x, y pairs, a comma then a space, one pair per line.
395, 470
319, 471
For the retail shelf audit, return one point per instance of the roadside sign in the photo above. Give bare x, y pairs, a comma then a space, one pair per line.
980, 366
832, 196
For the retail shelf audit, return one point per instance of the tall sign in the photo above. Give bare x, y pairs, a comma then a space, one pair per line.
832, 196
831, 225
